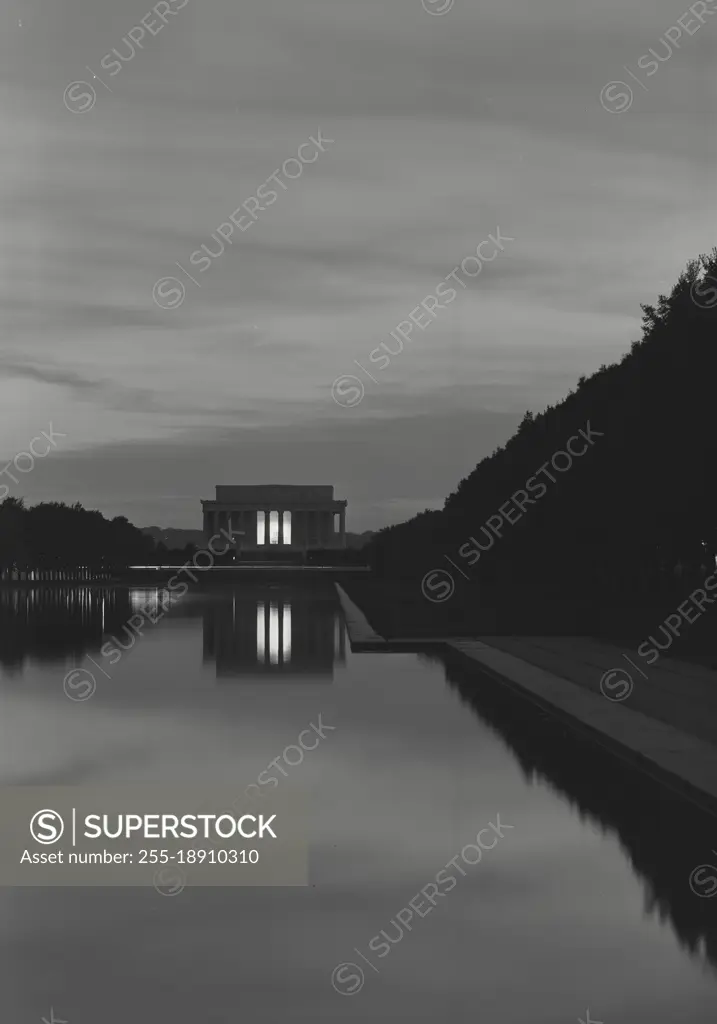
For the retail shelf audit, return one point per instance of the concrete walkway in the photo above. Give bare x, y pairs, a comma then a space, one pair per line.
678, 693
661, 717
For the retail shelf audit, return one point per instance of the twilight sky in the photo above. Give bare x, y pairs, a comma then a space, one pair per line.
445, 127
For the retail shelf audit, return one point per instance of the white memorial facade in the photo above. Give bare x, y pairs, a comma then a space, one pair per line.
293, 517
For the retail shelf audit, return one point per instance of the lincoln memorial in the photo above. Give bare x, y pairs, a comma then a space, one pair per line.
298, 518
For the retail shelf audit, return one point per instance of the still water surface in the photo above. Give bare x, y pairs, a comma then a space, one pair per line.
585, 902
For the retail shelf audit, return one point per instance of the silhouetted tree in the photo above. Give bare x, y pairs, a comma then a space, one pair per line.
53, 538
637, 510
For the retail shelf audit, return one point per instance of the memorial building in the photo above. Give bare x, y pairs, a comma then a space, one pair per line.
279, 516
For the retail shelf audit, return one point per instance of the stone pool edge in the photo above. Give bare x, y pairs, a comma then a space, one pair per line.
674, 758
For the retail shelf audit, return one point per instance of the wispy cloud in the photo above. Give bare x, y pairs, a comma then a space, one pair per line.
444, 128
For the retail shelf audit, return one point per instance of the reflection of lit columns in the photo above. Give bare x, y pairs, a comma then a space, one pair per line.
273, 633
286, 635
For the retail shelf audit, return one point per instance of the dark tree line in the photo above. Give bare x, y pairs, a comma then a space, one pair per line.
637, 510
53, 538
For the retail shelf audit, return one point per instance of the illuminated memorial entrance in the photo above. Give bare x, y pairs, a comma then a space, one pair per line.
277, 516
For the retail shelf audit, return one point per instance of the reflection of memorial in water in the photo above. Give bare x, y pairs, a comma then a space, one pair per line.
274, 631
